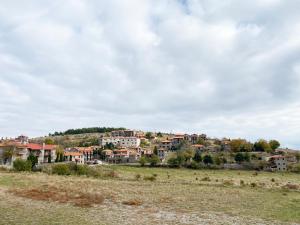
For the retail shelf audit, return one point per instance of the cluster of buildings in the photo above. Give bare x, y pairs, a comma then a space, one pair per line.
121, 146
21, 148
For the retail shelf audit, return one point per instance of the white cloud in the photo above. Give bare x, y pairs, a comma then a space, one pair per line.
227, 68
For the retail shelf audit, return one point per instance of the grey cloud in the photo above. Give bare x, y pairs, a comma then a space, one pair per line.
194, 65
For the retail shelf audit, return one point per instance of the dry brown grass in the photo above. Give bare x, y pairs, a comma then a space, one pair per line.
291, 186
133, 202
55, 194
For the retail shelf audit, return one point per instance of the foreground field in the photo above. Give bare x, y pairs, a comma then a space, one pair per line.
151, 196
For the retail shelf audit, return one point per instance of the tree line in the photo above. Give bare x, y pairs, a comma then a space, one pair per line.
87, 130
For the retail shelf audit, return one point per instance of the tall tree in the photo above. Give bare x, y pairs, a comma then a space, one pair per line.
262, 146
207, 159
274, 144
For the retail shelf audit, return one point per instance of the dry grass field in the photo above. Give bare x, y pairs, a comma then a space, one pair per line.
151, 196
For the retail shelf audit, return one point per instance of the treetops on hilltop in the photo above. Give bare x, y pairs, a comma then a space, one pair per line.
87, 130
242, 145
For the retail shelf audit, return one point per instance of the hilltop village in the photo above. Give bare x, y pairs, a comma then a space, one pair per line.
122, 146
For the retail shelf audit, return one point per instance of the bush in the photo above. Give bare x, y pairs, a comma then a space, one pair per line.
205, 179
195, 165
82, 170
61, 169
154, 160
143, 161
174, 162
294, 168
150, 178
207, 159
228, 182
138, 176
22, 165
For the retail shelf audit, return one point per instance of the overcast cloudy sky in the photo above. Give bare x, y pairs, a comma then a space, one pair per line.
225, 68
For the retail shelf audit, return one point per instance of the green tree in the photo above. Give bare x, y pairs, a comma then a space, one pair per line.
200, 141
174, 162
247, 157
143, 161
297, 156
49, 158
8, 153
239, 157
197, 157
59, 153
262, 146
187, 154
154, 160
274, 144
148, 135
240, 145
22, 165
33, 159
159, 134
49, 141
155, 150
207, 159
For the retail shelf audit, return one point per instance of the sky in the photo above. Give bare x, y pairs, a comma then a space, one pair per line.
226, 68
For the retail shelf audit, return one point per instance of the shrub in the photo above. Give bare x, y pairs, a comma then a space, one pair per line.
61, 169
195, 165
138, 176
150, 178
242, 183
22, 165
143, 161
253, 184
33, 160
154, 160
173, 162
207, 159
273, 180
228, 182
294, 168
82, 170
205, 179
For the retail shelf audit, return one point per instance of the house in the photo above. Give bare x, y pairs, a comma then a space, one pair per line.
74, 156
122, 155
20, 148
123, 133
127, 142
191, 138
44, 153
165, 145
87, 153
162, 154
11, 150
107, 154
177, 140
277, 162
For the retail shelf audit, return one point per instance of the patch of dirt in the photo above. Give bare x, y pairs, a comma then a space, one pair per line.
54, 194
133, 202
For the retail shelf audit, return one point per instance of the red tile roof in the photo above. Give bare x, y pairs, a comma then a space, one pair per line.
37, 147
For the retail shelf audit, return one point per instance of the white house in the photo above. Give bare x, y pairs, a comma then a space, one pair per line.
126, 142
278, 162
162, 154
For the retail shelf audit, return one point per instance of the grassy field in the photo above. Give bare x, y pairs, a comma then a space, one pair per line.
151, 196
